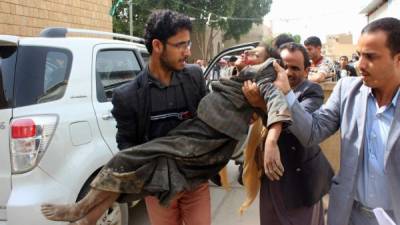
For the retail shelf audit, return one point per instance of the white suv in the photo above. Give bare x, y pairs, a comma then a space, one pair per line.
56, 129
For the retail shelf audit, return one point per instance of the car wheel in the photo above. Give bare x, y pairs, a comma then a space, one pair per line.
117, 214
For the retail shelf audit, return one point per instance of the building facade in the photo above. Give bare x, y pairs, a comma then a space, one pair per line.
375, 9
29, 17
338, 45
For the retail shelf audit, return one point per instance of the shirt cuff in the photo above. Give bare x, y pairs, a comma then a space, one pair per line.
290, 98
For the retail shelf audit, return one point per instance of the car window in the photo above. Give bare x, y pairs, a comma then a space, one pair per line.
7, 69
42, 74
114, 68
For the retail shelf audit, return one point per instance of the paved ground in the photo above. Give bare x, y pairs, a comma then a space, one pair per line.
224, 205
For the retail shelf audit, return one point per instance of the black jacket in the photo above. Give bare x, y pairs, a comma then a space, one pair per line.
132, 109
308, 174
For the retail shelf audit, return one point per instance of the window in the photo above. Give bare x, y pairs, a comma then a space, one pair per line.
114, 68
41, 74
7, 65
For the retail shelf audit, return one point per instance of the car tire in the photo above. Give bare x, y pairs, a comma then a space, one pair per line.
116, 215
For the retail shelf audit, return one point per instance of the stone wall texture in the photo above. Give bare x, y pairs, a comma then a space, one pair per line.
29, 17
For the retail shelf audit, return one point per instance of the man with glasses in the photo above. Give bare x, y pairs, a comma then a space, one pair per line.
166, 154
166, 93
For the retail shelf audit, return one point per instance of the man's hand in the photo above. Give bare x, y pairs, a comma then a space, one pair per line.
272, 161
281, 82
252, 94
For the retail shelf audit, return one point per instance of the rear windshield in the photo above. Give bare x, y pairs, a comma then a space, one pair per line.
41, 74
7, 65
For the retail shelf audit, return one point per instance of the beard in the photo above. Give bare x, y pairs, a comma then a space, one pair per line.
167, 64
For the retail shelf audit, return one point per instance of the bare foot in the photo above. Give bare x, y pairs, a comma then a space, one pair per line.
68, 212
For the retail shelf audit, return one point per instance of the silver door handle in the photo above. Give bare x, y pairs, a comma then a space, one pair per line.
107, 116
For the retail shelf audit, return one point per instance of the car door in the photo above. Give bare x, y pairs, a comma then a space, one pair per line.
113, 66
8, 52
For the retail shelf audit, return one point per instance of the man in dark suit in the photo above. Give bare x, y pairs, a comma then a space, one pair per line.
295, 198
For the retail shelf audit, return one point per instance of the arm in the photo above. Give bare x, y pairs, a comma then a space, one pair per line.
322, 72
317, 77
313, 128
272, 159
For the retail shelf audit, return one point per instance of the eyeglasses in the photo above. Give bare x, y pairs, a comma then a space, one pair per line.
183, 46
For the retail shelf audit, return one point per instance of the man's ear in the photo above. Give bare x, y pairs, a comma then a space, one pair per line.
157, 46
397, 60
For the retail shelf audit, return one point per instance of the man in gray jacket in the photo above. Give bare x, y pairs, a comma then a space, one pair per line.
366, 109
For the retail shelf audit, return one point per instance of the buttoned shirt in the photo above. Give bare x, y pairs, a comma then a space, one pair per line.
372, 181
168, 104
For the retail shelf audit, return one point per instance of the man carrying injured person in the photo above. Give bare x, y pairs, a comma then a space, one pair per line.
189, 154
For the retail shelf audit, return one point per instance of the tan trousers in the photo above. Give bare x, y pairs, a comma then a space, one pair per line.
189, 208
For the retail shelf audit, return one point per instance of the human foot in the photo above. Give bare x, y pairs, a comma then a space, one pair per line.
68, 212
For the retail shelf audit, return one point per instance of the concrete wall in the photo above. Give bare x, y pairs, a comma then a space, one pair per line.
29, 17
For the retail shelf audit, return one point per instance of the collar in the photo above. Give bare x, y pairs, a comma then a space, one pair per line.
318, 61
174, 80
394, 99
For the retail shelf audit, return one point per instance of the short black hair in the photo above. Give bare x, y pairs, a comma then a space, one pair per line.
291, 47
345, 57
163, 24
281, 39
313, 41
389, 25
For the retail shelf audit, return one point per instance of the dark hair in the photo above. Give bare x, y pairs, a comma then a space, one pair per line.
270, 52
389, 25
164, 24
281, 39
291, 47
313, 41
345, 57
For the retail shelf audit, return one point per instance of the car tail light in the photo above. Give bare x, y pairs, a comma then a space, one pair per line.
29, 139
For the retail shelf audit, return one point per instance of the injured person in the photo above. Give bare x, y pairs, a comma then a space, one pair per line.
188, 155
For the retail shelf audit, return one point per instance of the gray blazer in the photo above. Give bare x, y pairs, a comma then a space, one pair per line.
346, 110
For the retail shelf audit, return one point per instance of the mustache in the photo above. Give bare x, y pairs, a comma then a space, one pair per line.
184, 59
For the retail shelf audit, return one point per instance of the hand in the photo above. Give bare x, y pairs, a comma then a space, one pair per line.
272, 160
252, 94
281, 81
253, 118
